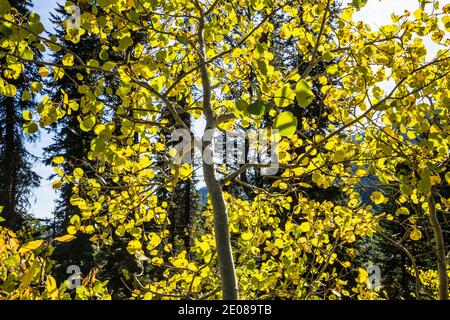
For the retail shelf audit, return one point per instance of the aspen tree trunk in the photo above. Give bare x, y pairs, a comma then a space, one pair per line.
439, 250
221, 225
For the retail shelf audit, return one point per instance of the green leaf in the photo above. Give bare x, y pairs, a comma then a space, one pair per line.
124, 43
332, 69
28, 276
104, 55
402, 210
27, 54
358, 4
284, 96
88, 123
424, 185
327, 56
339, 155
93, 63
37, 27
303, 94
34, 17
258, 108
4, 6
26, 95
106, 3
286, 123
30, 127
108, 66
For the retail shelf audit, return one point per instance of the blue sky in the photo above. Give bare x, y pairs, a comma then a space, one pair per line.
375, 13
44, 7
44, 196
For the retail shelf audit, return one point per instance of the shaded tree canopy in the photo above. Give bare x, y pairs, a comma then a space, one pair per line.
342, 180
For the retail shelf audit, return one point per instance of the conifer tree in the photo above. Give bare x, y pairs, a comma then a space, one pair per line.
72, 144
17, 178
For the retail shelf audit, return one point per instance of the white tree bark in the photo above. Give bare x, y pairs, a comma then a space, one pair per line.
221, 224
439, 250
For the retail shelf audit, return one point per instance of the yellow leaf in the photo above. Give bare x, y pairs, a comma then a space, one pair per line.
173, 152
88, 123
283, 185
304, 185
78, 173
133, 246
180, 263
32, 245
160, 146
75, 219
9, 90
71, 230
26, 114
247, 236
363, 276
415, 235
347, 14
185, 171
402, 210
435, 180
346, 264
279, 243
418, 14
57, 184
305, 227
446, 9
50, 286
65, 238
377, 197
68, 59
154, 241
58, 160
447, 177
58, 73
285, 32
43, 72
